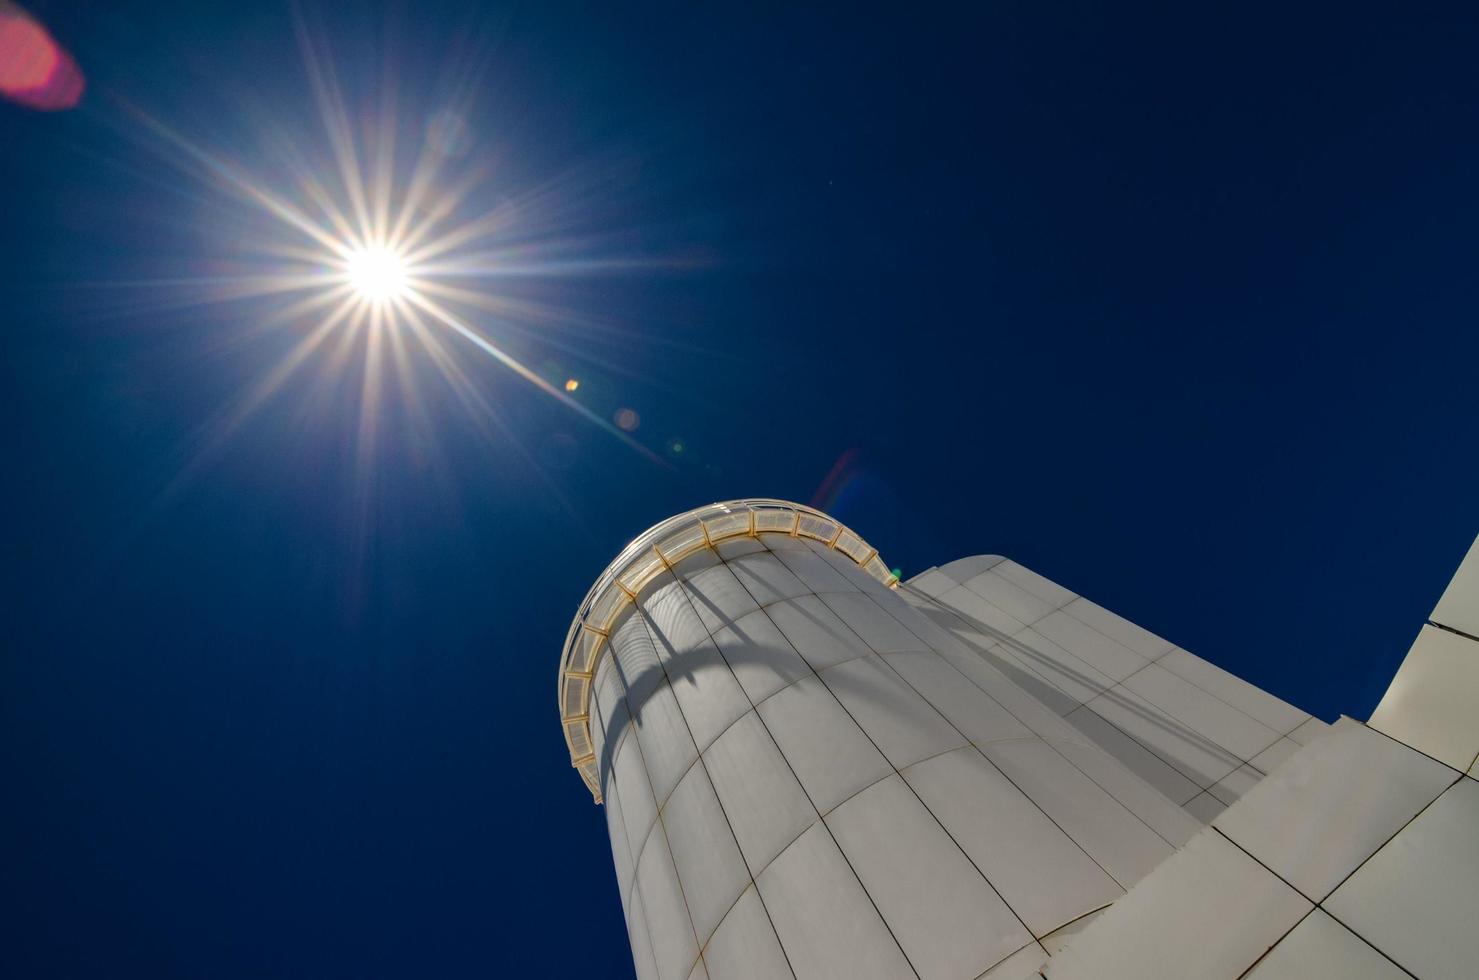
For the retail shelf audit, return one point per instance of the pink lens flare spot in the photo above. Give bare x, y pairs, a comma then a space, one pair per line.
34, 70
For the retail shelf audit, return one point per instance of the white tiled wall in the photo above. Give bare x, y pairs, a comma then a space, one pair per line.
1414, 900
1352, 789
709, 864
1431, 703
826, 749
1210, 912
745, 947
1318, 948
1357, 858
811, 775
1458, 608
1047, 878
946, 917
827, 924
1175, 721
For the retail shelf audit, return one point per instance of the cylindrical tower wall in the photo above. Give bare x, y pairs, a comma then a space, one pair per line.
804, 776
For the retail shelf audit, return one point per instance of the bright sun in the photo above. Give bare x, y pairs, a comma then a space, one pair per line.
388, 262
377, 273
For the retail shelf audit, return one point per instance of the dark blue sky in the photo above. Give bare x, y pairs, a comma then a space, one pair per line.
1174, 305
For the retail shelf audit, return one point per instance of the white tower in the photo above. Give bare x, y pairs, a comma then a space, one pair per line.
812, 771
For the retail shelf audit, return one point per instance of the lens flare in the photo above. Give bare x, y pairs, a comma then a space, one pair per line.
34, 70
380, 272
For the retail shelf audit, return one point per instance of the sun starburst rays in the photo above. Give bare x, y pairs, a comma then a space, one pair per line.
386, 272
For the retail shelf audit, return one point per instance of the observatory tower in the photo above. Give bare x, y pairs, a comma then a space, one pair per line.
810, 769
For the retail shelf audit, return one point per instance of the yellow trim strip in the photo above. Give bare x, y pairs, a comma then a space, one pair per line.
600, 596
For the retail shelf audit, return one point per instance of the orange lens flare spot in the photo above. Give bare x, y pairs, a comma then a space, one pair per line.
34, 70
571, 384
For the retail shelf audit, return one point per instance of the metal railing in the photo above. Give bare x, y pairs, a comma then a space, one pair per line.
654, 552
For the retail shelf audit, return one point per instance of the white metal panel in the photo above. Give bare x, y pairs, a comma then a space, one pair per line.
963, 704
1074, 677
718, 597
827, 926
638, 809
1117, 840
1045, 589
900, 722
762, 799
1055, 941
925, 620
1272, 757
782, 541
971, 605
766, 578
1167, 780
1201, 712
696, 562
707, 692
610, 688
965, 569
1332, 805
1252, 701
948, 920
849, 569
1431, 702
1021, 965
827, 750
1187, 750
1088, 644
1013, 665
732, 548
673, 945
709, 863
610, 718
621, 851
671, 620
667, 748
1009, 597
1459, 607
1209, 912
1117, 628
1205, 807
1045, 877
1232, 786
1414, 900
811, 568
636, 657
933, 582
964, 634
1309, 731
1027, 709
882, 632
1160, 813
1320, 948
642, 957
816, 632
745, 947
759, 655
